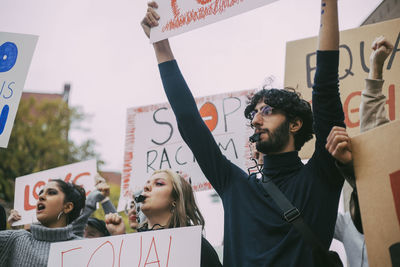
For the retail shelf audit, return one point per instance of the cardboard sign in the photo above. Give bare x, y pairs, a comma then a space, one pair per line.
153, 141
16, 52
179, 16
355, 50
377, 167
178, 247
28, 187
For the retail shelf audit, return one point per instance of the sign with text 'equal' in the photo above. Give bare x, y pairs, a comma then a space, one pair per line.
153, 141
355, 50
377, 168
16, 52
27, 187
177, 247
179, 16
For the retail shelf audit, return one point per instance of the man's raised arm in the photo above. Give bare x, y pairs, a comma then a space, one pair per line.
190, 124
328, 38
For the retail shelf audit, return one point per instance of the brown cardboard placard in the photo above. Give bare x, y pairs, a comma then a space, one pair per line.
377, 167
353, 69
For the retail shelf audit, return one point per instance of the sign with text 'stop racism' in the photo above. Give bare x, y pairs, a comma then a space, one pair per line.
377, 167
355, 50
176, 247
27, 187
153, 141
179, 16
16, 52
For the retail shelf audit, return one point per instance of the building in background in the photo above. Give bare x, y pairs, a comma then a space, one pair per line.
387, 10
44, 96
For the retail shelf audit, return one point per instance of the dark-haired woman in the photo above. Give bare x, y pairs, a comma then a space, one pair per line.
59, 204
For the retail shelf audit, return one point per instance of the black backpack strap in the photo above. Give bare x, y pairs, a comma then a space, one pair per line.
290, 213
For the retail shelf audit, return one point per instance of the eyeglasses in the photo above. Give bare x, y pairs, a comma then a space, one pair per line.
265, 111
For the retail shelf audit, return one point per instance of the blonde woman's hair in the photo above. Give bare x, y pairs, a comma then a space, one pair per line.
185, 212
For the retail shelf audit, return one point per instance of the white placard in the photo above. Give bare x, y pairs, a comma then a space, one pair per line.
16, 52
153, 141
179, 16
178, 247
28, 187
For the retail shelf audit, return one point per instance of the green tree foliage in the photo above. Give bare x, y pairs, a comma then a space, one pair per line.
39, 141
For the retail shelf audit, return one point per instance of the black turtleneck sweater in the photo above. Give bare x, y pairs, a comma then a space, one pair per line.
255, 232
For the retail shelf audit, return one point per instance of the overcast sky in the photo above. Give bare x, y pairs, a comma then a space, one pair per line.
98, 46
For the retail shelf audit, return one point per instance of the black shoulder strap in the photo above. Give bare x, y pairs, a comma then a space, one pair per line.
290, 213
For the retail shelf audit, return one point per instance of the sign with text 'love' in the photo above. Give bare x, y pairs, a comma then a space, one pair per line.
179, 16
152, 141
178, 247
27, 187
377, 167
16, 52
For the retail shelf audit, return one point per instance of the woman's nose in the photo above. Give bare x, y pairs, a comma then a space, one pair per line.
147, 188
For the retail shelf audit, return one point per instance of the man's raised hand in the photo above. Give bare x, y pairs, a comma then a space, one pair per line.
151, 18
338, 145
381, 50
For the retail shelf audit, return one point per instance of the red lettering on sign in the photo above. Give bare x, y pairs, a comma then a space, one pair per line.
203, 2
38, 184
169, 250
120, 250
79, 176
156, 254
68, 177
28, 193
113, 251
27, 206
347, 112
213, 8
63, 252
395, 184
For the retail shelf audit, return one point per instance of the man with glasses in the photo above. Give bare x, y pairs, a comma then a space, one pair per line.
255, 232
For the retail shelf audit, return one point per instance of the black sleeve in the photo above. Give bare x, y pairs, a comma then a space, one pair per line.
209, 257
347, 171
3, 219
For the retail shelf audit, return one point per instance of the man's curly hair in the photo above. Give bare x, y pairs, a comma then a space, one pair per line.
290, 103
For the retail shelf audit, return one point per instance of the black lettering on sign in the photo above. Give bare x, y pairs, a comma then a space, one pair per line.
171, 131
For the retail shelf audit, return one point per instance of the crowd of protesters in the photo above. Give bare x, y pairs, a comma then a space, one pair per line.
258, 231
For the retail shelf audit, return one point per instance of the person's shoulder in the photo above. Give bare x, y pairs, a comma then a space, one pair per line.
14, 234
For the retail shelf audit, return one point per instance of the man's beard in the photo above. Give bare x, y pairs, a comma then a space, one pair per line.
277, 140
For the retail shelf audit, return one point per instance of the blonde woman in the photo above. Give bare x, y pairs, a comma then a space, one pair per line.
169, 202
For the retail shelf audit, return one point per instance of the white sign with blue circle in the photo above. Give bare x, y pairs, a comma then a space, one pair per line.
16, 51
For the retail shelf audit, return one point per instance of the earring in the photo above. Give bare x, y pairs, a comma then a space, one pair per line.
173, 205
59, 215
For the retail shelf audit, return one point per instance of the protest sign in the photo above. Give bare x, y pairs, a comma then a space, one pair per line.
153, 142
355, 49
377, 167
28, 187
179, 16
16, 52
177, 247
